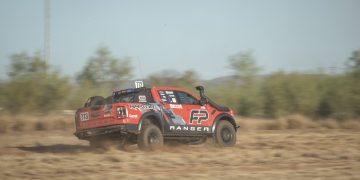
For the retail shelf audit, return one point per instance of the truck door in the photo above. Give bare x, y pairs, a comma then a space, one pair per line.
194, 114
184, 113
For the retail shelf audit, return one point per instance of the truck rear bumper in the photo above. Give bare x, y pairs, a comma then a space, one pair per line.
120, 128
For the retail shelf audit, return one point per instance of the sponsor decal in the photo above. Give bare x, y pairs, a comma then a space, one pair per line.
164, 98
121, 112
141, 106
190, 128
84, 116
169, 92
133, 116
142, 98
173, 100
176, 106
198, 115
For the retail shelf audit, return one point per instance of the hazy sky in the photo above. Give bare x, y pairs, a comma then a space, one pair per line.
293, 35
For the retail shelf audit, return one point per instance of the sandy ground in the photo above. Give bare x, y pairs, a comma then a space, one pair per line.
271, 154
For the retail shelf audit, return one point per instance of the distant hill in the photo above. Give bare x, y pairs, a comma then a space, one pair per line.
210, 83
216, 81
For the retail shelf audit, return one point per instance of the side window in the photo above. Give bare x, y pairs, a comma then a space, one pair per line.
143, 96
168, 97
131, 96
186, 98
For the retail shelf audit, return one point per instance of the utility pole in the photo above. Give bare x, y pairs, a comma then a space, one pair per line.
47, 40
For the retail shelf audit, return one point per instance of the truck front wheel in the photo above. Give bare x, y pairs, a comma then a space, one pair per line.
150, 138
225, 134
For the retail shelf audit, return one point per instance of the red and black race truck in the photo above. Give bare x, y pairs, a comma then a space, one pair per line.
151, 116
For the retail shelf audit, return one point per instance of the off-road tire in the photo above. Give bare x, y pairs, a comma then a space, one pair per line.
225, 134
150, 138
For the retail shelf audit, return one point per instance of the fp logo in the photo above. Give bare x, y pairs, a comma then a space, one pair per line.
199, 116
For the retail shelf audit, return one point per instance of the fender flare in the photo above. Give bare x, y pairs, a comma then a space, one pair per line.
156, 116
226, 117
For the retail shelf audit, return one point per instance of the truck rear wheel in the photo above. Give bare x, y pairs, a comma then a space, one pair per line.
150, 138
225, 134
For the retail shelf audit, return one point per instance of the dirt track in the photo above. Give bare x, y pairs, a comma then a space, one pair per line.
277, 154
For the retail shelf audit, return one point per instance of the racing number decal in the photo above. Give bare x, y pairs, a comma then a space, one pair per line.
84, 116
199, 116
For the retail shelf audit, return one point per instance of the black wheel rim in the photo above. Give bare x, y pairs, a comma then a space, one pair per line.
153, 138
226, 135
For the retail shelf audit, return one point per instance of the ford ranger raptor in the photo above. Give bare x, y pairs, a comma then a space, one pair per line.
149, 117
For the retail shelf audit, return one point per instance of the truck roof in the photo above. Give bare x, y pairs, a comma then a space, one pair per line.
155, 88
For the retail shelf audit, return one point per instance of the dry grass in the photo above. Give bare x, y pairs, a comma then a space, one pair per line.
293, 147
282, 154
296, 122
350, 124
20, 123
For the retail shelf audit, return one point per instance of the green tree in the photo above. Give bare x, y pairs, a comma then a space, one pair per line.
104, 69
244, 66
245, 81
102, 73
269, 102
187, 79
80, 94
24, 64
353, 63
354, 79
30, 89
289, 93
